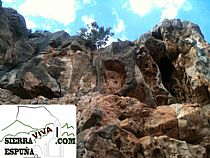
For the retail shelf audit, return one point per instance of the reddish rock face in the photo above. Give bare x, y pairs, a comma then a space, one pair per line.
167, 131
164, 72
164, 146
143, 99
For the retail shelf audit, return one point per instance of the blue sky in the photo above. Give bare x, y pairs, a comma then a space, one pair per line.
128, 18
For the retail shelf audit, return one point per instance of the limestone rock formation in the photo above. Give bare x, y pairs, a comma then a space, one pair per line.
112, 125
182, 56
14, 47
149, 98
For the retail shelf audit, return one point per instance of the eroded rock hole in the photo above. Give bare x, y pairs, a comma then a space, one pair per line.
118, 143
156, 153
203, 94
166, 70
114, 76
114, 65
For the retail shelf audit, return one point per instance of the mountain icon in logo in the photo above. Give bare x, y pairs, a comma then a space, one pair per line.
28, 120
38, 116
16, 128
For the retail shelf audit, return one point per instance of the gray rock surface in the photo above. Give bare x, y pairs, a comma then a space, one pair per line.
42, 41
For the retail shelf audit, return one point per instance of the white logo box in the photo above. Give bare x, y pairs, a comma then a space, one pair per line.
39, 131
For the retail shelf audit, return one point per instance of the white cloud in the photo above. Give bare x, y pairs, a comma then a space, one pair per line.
187, 6
87, 19
86, 1
114, 39
47, 27
141, 7
125, 5
111, 39
8, 1
30, 24
89, 2
120, 26
63, 11
169, 8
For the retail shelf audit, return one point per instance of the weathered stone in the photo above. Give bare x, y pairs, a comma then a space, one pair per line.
41, 41
193, 124
165, 147
6, 97
111, 109
52, 75
108, 142
118, 73
162, 121
115, 74
133, 117
14, 48
152, 76
182, 64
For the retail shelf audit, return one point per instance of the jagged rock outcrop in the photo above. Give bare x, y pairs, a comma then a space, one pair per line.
51, 74
41, 41
32, 66
14, 48
166, 66
118, 72
142, 99
125, 126
182, 56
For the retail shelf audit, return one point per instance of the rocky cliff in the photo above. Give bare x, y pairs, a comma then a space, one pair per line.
149, 98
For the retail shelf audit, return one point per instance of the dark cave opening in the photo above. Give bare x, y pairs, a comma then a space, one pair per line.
22, 93
157, 153
44, 91
35, 92
166, 69
115, 65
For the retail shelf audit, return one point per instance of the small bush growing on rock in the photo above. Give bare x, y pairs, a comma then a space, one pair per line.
98, 36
